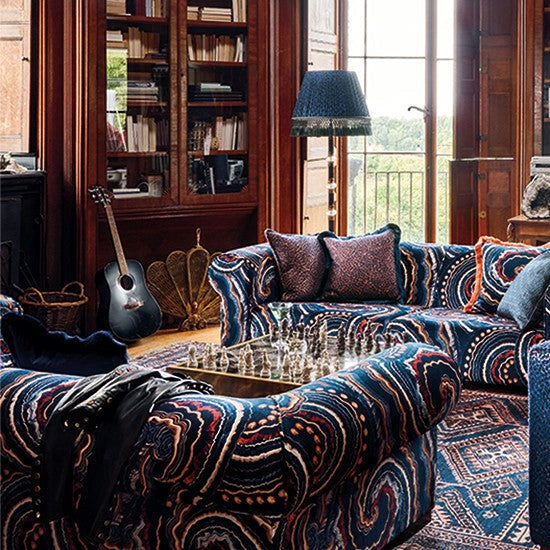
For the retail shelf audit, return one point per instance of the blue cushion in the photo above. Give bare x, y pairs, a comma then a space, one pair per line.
33, 347
523, 300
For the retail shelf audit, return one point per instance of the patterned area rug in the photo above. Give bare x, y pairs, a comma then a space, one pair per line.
481, 500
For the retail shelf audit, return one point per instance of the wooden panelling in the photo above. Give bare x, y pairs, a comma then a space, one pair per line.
463, 178
322, 55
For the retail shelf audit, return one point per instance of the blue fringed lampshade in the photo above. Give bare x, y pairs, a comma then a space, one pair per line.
330, 103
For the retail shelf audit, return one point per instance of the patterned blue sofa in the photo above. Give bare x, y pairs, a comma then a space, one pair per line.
539, 444
347, 461
439, 281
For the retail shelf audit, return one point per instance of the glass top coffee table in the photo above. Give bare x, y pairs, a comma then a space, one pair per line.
291, 366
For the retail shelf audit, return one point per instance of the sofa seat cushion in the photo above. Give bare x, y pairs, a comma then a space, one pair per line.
7, 305
356, 315
487, 348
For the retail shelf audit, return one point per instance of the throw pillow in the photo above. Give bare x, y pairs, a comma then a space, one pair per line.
523, 301
497, 264
365, 268
301, 262
33, 347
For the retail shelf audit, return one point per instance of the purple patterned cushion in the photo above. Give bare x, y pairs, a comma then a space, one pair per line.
365, 268
301, 263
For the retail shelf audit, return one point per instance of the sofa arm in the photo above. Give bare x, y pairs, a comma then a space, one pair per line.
352, 420
539, 443
244, 278
546, 313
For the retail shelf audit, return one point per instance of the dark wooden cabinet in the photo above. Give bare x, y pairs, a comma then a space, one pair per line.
23, 236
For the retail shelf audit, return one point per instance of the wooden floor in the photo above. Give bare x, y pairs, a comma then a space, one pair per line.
164, 338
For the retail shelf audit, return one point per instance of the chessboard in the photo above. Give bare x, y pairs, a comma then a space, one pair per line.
284, 359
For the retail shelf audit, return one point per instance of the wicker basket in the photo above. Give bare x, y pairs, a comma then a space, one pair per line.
58, 310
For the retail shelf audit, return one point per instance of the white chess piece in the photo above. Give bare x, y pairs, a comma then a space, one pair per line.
307, 372
286, 368
224, 361
265, 371
241, 364
192, 357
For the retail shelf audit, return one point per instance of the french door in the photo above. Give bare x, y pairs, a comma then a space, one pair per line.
402, 51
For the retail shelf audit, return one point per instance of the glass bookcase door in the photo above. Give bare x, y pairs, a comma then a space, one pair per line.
217, 100
138, 98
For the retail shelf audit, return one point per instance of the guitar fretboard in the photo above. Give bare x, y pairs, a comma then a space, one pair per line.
120, 258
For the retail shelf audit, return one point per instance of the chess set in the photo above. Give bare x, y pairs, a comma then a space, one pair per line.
293, 356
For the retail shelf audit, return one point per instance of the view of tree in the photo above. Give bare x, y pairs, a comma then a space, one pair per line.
386, 186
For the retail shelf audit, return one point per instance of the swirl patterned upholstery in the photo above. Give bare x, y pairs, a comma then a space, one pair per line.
539, 443
439, 281
347, 461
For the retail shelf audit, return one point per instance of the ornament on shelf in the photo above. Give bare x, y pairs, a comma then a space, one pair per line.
192, 357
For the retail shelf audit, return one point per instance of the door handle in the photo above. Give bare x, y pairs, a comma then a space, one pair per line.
425, 111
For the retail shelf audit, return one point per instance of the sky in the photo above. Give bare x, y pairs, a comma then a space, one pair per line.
396, 28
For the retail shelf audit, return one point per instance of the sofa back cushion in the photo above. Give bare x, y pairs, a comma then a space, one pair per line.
437, 275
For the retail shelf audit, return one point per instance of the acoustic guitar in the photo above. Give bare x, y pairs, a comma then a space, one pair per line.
126, 307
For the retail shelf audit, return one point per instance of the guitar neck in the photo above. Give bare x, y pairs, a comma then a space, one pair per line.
120, 258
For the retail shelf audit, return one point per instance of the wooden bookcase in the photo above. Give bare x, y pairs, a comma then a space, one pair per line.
545, 114
143, 76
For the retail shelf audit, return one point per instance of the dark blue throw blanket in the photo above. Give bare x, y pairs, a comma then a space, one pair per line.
33, 347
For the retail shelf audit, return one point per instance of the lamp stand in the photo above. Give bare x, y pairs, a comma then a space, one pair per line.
331, 186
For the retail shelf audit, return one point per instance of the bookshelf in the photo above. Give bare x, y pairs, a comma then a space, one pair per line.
218, 106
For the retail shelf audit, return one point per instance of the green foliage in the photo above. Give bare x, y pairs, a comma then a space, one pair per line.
391, 189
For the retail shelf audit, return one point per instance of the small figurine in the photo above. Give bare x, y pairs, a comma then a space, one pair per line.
241, 365
307, 371
265, 371
224, 361
301, 328
341, 339
358, 344
376, 348
192, 357
286, 368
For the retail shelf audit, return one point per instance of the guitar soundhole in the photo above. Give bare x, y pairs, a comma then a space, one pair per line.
126, 282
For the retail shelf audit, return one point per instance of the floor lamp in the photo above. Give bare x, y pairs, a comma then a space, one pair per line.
330, 103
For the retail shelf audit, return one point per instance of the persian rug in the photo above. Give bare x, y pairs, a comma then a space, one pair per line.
482, 485
170, 355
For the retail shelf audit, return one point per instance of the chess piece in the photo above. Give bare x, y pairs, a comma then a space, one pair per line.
286, 368
376, 347
224, 361
241, 364
192, 357
265, 371
285, 329
301, 328
358, 345
296, 367
307, 371
210, 358
387, 339
325, 364
274, 334
351, 339
406, 337
341, 339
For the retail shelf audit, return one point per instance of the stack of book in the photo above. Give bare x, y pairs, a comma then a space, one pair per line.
215, 14
116, 7
214, 91
193, 13
208, 47
142, 92
239, 10
141, 134
231, 132
115, 39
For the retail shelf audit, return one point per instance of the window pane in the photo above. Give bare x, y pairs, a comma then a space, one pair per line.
392, 86
396, 27
443, 208
356, 27
445, 28
392, 190
15, 73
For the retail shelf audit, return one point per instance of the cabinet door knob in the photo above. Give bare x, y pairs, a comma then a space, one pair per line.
25, 58
482, 214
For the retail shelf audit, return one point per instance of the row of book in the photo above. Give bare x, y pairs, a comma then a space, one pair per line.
236, 13
140, 44
146, 134
214, 91
208, 47
142, 92
146, 8
231, 132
